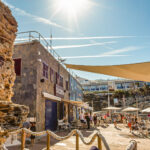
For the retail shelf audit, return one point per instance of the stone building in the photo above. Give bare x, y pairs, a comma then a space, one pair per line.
43, 84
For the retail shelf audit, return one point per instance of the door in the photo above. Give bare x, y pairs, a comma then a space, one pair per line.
50, 115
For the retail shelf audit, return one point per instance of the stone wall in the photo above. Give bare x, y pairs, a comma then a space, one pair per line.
25, 84
11, 115
28, 87
47, 86
8, 28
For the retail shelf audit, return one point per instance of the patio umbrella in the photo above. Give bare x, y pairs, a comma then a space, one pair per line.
112, 108
147, 110
130, 109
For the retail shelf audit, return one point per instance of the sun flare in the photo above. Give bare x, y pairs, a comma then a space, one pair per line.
71, 8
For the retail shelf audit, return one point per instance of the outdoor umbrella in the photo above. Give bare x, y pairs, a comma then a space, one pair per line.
112, 108
147, 110
130, 109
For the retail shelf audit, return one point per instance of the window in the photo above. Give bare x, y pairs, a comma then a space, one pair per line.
61, 81
51, 74
45, 70
55, 77
67, 85
18, 66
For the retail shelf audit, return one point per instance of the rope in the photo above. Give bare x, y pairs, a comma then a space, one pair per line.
73, 132
132, 145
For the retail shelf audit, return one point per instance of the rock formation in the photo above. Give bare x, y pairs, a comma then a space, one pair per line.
11, 115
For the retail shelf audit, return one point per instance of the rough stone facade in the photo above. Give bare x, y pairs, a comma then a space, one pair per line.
28, 87
8, 28
25, 84
11, 115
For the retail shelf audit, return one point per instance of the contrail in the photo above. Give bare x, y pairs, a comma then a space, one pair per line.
114, 53
89, 38
82, 45
94, 56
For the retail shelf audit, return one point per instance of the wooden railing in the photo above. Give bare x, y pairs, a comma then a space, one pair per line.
77, 133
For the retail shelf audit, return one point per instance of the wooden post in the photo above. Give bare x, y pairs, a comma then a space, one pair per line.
77, 141
23, 136
48, 141
99, 143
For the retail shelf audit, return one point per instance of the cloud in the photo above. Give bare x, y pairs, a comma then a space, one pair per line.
118, 51
114, 53
36, 18
83, 45
94, 56
89, 38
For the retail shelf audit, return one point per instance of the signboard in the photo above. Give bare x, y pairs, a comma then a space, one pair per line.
115, 101
59, 91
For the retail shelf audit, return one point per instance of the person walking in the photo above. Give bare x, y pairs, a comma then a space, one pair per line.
87, 117
33, 129
95, 120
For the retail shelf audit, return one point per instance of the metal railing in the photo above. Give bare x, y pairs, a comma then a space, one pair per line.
75, 132
30, 36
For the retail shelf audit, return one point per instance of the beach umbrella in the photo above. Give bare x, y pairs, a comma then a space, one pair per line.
130, 109
147, 110
112, 108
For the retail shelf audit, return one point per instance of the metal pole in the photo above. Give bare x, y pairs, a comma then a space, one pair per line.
124, 103
108, 99
136, 107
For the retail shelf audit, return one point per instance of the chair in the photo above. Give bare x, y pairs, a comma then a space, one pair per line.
63, 125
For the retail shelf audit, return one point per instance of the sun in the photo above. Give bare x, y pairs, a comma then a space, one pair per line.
71, 8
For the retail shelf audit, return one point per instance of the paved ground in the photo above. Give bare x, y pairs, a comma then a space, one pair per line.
118, 139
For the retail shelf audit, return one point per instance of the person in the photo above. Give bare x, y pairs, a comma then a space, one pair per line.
81, 117
33, 129
27, 126
129, 124
94, 148
91, 118
105, 118
87, 117
95, 120
115, 122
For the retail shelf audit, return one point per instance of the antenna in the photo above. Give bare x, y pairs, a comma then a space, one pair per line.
51, 39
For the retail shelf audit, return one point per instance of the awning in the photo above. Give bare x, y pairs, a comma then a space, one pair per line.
66, 101
138, 71
76, 102
51, 97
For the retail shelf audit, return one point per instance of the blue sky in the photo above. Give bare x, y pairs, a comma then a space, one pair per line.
124, 24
